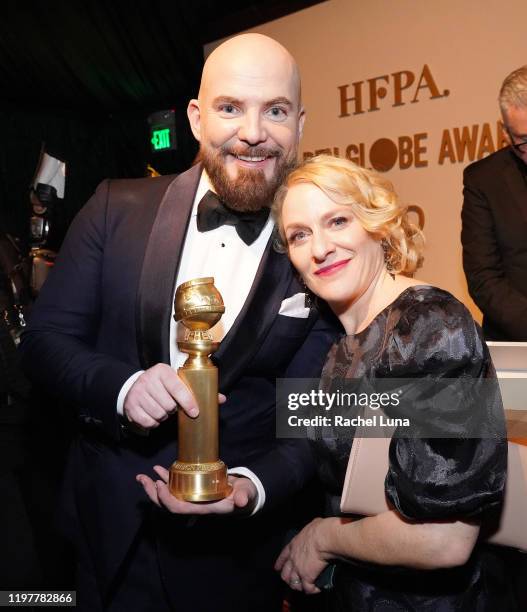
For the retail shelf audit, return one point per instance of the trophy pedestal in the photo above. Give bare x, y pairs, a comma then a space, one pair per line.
199, 482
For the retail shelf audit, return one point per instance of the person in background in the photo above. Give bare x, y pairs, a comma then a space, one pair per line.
103, 338
494, 239
494, 222
347, 235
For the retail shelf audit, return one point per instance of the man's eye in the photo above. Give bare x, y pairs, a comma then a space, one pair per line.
276, 112
229, 109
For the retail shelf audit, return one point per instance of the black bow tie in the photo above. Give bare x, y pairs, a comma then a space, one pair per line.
213, 213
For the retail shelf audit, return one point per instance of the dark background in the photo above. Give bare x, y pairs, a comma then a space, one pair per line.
82, 77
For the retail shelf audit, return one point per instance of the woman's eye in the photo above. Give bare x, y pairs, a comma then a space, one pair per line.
296, 237
339, 221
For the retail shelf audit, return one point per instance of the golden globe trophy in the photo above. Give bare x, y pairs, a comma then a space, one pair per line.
199, 475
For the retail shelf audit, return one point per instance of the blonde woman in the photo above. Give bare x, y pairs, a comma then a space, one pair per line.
348, 236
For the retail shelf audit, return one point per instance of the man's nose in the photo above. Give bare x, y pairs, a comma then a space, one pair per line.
252, 129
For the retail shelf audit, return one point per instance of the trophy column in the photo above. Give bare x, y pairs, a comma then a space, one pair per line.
199, 475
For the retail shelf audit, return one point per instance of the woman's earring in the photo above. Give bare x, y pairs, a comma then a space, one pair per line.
310, 296
387, 259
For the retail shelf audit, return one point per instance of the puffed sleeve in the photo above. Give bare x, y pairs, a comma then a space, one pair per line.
438, 478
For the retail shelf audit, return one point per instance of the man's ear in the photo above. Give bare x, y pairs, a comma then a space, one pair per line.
301, 121
505, 133
194, 118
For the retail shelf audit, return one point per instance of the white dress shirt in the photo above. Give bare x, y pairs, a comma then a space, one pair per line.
222, 254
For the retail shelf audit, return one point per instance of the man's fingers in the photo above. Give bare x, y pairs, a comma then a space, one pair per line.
157, 393
149, 486
158, 403
141, 406
242, 492
149, 391
158, 492
138, 416
241, 499
171, 502
162, 472
151, 406
180, 393
179, 506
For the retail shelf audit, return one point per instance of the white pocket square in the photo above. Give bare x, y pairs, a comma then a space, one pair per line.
295, 306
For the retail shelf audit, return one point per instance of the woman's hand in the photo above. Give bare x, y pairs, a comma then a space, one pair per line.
306, 556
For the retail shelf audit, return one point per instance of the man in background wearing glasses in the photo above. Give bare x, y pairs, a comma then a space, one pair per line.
494, 217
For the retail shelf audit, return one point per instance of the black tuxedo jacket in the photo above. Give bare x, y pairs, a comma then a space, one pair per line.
494, 238
103, 314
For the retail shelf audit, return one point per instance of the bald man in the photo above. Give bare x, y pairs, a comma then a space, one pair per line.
102, 336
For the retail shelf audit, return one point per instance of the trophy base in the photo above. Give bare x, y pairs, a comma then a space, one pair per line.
199, 482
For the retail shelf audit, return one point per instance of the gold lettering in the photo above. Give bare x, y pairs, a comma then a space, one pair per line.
426, 81
406, 157
376, 92
486, 144
466, 142
446, 150
357, 99
399, 86
355, 153
419, 148
326, 151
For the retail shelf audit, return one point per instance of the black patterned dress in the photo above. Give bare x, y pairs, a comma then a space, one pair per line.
424, 332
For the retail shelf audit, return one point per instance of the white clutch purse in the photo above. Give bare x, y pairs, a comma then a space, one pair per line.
363, 491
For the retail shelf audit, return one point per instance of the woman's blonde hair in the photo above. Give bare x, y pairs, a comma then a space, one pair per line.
373, 202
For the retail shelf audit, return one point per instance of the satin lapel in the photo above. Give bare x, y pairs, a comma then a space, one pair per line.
269, 288
160, 265
517, 185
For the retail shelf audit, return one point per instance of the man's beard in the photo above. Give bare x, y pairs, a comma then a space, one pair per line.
250, 191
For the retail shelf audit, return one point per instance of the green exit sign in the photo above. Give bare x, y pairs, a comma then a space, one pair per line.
162, 131
161, 139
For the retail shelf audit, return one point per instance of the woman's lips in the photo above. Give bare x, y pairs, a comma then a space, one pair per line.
334, 267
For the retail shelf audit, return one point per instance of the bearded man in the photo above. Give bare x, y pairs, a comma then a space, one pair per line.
102, 336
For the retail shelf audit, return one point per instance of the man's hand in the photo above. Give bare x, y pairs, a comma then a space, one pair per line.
243, 496
156, 394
